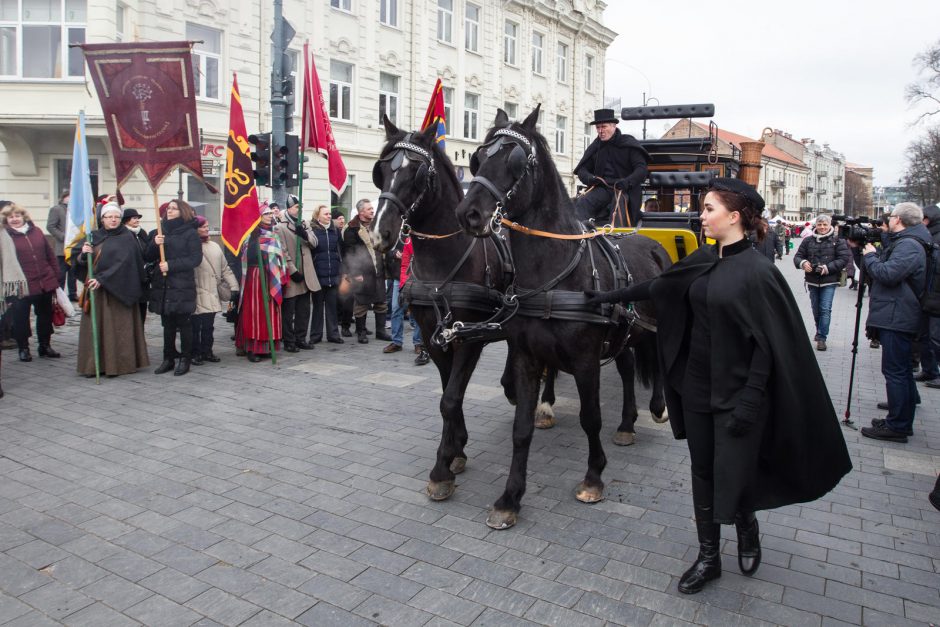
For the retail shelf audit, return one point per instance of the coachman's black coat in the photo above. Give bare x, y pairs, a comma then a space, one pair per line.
796, 452
175, 293
623, 157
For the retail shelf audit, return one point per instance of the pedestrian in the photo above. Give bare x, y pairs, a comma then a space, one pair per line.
13, 283
344, 295
780, 229
327, 261
131, 220
397, 319
298, 255
215, 284
366, 269
173, 291
767, 246
822, 256
56, 226
898, 275
421, 351
39, 264
930, 325
263, 267
116, 280
738, 388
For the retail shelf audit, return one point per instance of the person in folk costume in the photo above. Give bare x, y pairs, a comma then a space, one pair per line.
13, 284
131, 220
117, 281
295, 310
173, 290
251, 333
749, 399
215, 284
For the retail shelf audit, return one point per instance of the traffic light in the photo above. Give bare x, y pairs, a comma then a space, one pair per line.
294, 157
261, 155
280, 173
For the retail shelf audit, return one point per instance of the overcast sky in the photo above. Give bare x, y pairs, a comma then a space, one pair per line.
832, 70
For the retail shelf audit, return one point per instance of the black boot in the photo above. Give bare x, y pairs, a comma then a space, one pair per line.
196, 360
344, 330
708, 564
748, 542
361, 330
165, 366
25, 354
380, 332
47, 351
182, 367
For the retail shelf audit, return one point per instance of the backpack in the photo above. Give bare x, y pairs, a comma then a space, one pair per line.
930, 297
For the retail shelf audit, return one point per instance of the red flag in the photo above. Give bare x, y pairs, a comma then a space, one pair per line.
148, 98
436, 114
241, 213
316, 131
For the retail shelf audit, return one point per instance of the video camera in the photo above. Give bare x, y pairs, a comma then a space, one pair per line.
860, 230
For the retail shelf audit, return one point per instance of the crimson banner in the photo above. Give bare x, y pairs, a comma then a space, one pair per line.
148, 98
242, 212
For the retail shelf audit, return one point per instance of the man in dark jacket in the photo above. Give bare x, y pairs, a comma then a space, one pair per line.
366, 269
612, 165
822, 256
55, 225
930, 325
767, 246
898, 276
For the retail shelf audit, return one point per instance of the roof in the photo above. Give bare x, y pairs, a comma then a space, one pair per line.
770, 151
857, 166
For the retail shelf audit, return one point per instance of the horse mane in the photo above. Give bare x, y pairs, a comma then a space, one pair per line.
417, 137
553, 192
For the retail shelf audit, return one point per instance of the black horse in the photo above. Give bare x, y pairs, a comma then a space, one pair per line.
556, 260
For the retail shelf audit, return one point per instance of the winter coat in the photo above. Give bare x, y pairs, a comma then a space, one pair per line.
286, 232
37, 259
932, 215
898, 274
142, 238
175, 293
55, 225
327, 254
621, 161
361, 259
830, 250
767, 246
211, 273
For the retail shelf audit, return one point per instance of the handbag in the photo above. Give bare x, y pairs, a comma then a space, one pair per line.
58, 314
225, 292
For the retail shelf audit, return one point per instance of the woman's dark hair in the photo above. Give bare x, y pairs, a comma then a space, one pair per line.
751, 219
186, 211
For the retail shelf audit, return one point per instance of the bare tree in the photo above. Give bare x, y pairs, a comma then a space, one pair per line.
923, 167
858, 199
928, 65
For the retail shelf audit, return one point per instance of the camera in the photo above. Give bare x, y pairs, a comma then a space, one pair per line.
860, 230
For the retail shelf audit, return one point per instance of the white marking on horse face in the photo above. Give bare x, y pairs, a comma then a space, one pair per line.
383, 203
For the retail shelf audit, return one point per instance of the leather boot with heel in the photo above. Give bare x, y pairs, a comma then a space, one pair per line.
46, 350
165, 366
380, 332
707, 565
182, 367
361, 336
748, 542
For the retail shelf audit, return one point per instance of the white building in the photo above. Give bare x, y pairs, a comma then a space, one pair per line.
373, 56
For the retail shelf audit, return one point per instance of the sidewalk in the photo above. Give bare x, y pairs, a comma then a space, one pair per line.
250, 494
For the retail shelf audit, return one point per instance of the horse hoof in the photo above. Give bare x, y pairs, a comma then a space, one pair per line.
500, 519
544, 416
589, 494
441, 490
661, 418
624, 438
458, 465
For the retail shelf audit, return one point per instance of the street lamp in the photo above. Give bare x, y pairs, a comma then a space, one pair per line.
646, 101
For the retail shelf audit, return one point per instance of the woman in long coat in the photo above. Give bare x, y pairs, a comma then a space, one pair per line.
750, 401
263, 267
327, 259
13, 283
215, 283
117, 281
131, 220
173, 290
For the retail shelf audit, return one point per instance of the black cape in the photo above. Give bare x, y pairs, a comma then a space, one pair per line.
119, 266
796, 452
624, 155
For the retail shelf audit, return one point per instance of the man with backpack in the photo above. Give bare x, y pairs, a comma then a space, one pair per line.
899, 277
930, 325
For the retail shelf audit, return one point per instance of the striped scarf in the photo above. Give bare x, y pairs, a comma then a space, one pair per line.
277, 268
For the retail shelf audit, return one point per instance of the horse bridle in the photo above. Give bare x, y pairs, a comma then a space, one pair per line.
425, 178
522, 160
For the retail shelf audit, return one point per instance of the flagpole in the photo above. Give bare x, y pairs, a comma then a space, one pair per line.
94, 317
267, 309
300, 209
156, 209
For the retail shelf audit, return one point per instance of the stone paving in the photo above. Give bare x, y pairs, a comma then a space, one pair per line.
246, 494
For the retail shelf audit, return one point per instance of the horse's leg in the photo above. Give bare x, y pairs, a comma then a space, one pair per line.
587, 377
451, 458
658, 399
544, 414
626, 367
526, 371
509, 387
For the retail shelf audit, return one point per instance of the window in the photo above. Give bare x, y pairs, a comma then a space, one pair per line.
471, 115
388, 12
120, 22
63, 175
589, 72
509, 42
342, 5
538, 44
448, 105
204, 202
388, 97
207, 60
562, 74
345, 202
445, 20
471, 28
588, 134
35, 37
561, 126
341, 77
511, 109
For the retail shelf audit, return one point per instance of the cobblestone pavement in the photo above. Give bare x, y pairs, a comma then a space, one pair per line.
258, 495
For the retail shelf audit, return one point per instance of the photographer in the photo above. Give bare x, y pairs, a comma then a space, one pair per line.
898, 275
930, 325
822, 256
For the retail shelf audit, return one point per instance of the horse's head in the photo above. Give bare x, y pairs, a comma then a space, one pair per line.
504, 172
406, 173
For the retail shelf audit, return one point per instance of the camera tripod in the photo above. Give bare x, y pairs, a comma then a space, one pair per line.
847, 420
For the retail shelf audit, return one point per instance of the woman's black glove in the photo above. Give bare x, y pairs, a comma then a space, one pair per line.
596, 298
745, 413
297, 277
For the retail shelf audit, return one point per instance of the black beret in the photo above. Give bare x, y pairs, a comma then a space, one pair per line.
737, 186
336, 213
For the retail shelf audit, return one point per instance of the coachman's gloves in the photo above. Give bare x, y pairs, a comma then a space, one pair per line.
613, 296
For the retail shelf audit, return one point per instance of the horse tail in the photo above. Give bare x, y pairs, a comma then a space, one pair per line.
644, 353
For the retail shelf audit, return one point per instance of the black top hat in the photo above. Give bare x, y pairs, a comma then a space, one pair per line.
130, 213
603, 116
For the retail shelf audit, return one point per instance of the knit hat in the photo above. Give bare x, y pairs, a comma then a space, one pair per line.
336, 212
111, 207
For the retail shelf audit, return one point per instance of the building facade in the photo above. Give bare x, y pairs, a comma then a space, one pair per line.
373, 57
859, 194
825, 186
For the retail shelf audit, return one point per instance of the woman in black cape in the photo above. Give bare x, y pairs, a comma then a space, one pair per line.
742, 383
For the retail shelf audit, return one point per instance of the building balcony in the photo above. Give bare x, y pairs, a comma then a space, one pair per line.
807, 209
807, 189
837, 179
778, 183
836, 194
820, 192
778, 208
822, 175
